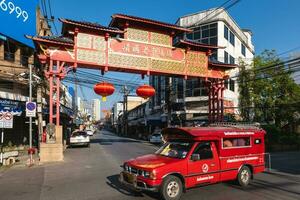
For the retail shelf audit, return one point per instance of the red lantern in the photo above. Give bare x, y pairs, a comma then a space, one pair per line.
104, 89
145, 91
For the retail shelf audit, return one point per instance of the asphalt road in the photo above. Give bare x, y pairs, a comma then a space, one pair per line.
92, 173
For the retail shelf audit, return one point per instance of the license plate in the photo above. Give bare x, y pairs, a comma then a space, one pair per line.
130, 178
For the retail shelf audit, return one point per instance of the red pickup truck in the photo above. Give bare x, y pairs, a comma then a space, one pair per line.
194, 157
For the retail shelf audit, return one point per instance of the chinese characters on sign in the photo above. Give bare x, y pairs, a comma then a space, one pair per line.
146, 50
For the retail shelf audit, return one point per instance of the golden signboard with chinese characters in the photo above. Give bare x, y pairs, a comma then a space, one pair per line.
143, 56
154, 55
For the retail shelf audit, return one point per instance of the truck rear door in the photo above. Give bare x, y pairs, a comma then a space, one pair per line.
205, 169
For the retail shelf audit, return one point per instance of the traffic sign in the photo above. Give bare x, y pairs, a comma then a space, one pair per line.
30, 109
6, 120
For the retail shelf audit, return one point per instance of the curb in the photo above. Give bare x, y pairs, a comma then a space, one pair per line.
283, 174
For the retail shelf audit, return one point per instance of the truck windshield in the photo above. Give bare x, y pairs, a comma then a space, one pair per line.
175, 149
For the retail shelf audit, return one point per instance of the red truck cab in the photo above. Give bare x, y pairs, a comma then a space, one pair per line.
196, 156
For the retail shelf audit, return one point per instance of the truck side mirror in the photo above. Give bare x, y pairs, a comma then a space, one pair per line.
195, 157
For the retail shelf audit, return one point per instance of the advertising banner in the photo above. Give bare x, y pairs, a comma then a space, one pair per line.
18, 18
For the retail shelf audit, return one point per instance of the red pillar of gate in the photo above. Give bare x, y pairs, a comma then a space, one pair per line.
209, 102
51, 91
222, 100
57, 94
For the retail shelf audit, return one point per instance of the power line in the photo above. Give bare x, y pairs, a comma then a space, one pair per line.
288, 51
223, 4
219, 12
43, 8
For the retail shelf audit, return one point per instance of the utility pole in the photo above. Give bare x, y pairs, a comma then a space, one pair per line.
182, 121
30, 118
168, 101
125, 91
39, 111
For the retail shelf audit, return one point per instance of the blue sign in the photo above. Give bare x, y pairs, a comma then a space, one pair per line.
18, 18
14, 107
30, 106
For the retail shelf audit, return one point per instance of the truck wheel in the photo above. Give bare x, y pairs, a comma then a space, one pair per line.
244, 176
171, 188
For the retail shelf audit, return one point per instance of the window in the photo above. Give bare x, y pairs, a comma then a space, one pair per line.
225, 32
236, 142
226, 57
213, 41
196, 35
231, 85
180, 88
231, 60
226, 82
192, 87
175, 149
204, 150
9, 51
189, 36
214, 55
231, 39
207, 34
243, 50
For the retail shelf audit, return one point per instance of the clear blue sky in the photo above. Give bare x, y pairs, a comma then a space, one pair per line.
275, 24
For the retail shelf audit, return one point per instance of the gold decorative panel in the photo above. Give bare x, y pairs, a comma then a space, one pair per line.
137, 34
196, 63
91, 56
167, 66
84, 40
162, 39
128, 61
99, 43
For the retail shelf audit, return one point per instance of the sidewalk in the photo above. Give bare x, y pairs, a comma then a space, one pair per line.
286, 163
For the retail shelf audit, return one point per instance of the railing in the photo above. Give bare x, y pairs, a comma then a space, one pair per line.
236, 125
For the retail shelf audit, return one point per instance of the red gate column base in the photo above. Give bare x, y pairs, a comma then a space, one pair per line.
53, 152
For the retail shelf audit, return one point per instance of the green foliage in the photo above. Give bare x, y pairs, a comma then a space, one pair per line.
268, 94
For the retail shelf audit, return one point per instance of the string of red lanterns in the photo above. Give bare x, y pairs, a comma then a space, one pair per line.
105, 89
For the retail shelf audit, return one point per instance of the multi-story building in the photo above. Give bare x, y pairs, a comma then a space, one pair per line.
96, 109
189, 97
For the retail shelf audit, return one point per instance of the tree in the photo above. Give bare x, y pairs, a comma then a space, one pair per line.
268, 88
245, 91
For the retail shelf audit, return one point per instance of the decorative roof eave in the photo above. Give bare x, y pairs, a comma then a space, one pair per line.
172, 27
92, 26
220, 64
51, 40
187, 43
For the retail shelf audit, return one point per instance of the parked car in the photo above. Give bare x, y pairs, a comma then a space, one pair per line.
90, 132
156, 138
80, 138
195, 156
